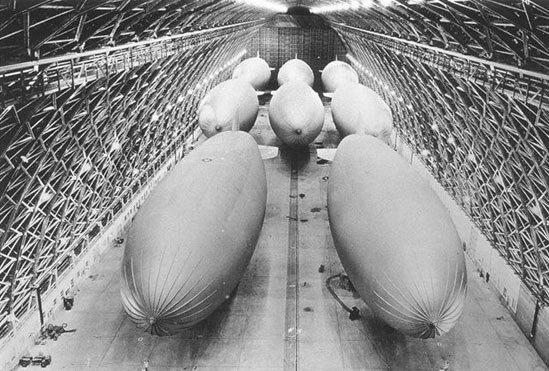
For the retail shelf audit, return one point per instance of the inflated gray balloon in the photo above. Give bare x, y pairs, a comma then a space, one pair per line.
337, 73
230, 105
296, 114
395, 239
254, 71
357, 109
193, 237
295, 70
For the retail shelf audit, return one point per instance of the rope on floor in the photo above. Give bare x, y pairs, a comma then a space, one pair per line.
354, 313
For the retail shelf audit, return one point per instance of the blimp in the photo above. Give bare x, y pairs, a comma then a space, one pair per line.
395, 239
357, 109
194, 235
295, 70
255, 71
337, 73
296, 114
230, 105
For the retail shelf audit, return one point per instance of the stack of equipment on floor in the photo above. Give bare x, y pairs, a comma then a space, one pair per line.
39, 360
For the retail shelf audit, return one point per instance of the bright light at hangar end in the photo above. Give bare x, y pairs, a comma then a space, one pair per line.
350, 5
264, 4
342, 6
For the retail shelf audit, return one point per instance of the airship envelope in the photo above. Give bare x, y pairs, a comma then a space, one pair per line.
337, 73
357, 109
296, 114
230, 105
255, 71
193, 237
395, 239
295, 70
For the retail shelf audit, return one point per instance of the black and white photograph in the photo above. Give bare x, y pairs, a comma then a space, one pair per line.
274, 185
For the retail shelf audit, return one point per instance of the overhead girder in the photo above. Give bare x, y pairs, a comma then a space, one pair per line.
60, 26
513, 32
27, 80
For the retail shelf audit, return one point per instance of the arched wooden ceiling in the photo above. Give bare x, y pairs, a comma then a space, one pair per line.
514, 32
511, 31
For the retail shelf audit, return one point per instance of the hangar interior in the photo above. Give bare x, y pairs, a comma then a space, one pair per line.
98, 101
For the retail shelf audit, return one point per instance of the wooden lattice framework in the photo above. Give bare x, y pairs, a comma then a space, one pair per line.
514, 32
82, 133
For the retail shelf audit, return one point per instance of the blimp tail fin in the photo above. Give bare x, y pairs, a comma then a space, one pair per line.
235, 126
268, 152
327, 154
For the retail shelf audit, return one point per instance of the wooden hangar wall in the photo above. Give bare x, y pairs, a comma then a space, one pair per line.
82, 129
317, 46
483, 134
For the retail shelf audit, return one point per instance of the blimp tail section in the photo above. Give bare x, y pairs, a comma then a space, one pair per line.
255, 70
337, 73
296, 114
194, 236
295, 70
232, 103
357, 109
395, 239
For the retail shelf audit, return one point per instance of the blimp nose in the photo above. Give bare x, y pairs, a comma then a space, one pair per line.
430, 331
439, 323
434, 328
298, 131
155, 324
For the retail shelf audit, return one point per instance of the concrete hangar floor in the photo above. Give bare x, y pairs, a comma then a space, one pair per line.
282, 316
